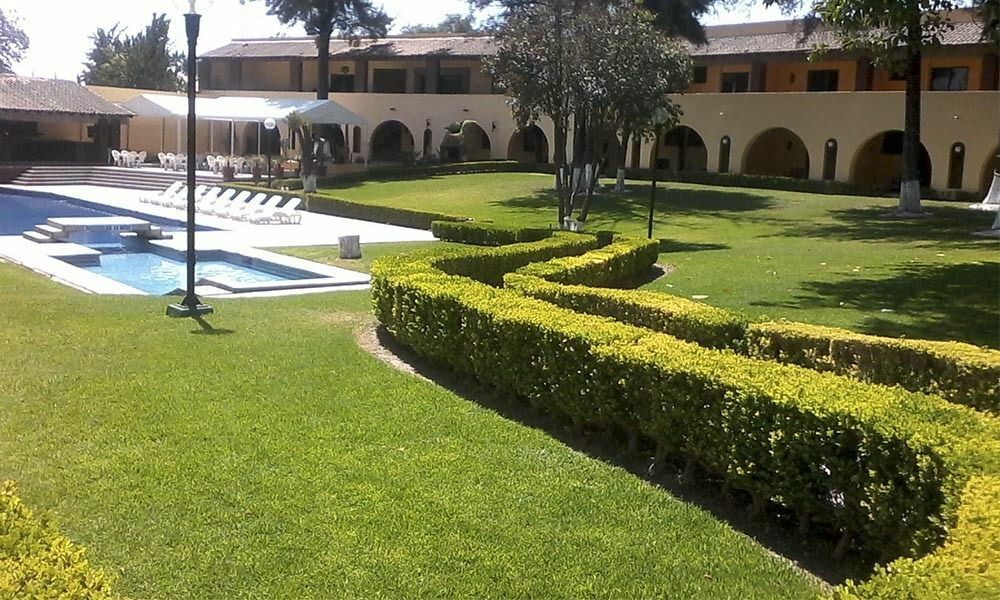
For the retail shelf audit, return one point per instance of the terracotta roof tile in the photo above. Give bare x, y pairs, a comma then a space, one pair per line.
33, 94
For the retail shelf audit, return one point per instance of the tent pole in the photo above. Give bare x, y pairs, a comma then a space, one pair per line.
232, 138
211, 137
259, 125
179, 147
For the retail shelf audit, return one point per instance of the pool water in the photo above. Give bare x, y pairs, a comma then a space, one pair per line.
21, 212
155, 274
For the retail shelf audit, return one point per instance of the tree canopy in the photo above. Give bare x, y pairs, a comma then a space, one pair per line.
13, 43
144, 60
453, 23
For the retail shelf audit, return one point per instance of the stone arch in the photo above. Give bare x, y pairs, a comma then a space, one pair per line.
992, 164
334, 136
681, 149
391, 141
777, 152
475, 142
878, 162
529, 145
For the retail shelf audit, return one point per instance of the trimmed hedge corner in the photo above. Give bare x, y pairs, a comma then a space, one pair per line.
486, 234
36, 561
620, 263
883, 466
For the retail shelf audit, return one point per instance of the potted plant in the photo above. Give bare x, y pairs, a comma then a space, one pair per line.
228, 171
255, 169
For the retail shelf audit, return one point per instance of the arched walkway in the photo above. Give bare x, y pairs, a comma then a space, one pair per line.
878, 163
777, 152
681, 149
334, 136
992, 164
477, 142
529, 145
391, 142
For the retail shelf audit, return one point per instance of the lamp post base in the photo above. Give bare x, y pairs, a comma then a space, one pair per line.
183, 311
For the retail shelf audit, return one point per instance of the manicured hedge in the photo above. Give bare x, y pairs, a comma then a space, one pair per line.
404, 217
966, 567
881, 464
621, 263
486, 234
685, 319
36, 561
422, 171
960, 372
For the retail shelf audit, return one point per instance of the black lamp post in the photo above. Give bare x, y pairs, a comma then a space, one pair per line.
660, 118
191, 306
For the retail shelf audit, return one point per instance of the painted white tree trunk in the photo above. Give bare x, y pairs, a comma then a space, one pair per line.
309, 184
350, 246
909, 197
620, 182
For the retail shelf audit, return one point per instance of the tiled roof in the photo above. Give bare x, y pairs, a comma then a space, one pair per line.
726, 40
790, 40
393, 47
32, 94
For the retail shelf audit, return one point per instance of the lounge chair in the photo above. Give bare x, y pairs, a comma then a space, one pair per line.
208, 194
179, 202
221, 207
209, 200
237, 211
267, 208
170, 191
167, 199
288, 213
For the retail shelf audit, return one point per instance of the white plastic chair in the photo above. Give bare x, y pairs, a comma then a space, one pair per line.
236, 212
221, 207
170, 191
209, 201
267, 208
141, 158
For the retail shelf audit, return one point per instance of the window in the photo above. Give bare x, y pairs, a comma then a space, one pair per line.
342, 83
735, 82
700, 75
897, 72
420, 81
389, 81
453, 81
946, 79
826, 80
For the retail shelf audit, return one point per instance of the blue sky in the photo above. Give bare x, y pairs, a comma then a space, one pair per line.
60, 29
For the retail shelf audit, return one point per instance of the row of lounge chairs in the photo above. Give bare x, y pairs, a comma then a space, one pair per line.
230, 204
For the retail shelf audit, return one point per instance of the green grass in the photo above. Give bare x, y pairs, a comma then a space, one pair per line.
369, 252
829, 260
279, 460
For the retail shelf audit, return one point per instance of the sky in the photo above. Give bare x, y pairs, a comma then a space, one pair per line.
60, 30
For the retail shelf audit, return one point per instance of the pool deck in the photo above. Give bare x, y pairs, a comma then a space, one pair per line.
234, 236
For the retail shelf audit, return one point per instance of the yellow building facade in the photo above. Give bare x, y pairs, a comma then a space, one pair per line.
757, 104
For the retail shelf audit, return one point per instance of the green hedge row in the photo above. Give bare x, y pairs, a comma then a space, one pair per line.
967, 566
36, 561
961, 373
404, 217
621, 263
883, 465
486, 234
422, 171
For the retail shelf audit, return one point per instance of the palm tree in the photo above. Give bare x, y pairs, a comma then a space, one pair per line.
323, 19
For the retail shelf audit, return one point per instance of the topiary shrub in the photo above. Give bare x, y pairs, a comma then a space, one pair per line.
486, 234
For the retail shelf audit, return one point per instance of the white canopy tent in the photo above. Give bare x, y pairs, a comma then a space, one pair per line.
242, 109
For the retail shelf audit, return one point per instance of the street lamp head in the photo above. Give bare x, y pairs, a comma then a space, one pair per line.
270, 124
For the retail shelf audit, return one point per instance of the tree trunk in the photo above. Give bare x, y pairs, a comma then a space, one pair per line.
909, 190
622, 161
560, 160
323, 66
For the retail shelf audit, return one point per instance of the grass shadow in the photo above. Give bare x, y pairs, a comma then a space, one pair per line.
926, 294
952, 224
776, 531
678, 246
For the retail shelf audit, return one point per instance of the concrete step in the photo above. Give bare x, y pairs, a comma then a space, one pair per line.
50, 231
34, 236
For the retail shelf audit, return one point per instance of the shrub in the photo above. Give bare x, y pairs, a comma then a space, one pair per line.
403, 217
881, 464
685, 319
36, 561
620, 263
959, 372
965, 567
486, 234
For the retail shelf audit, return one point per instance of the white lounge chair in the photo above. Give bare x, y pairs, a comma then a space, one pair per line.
236, 212
288, 213
180, 201
167, 199
267, 208
221, 207
209, 195
170, 191
209, 200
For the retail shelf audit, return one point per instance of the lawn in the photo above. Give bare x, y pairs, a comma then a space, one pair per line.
831, 260
277, 459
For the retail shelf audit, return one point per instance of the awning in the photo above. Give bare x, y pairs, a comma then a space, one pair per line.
242, 109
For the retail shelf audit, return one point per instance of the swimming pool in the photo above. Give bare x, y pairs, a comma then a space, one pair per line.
20, 211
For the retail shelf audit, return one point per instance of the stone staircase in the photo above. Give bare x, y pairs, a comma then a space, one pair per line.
84, 229
136, 179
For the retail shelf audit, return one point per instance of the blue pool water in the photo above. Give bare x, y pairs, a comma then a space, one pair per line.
155, 274
21, 211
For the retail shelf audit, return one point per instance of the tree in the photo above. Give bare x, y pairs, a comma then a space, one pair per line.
894, 33
143, 61
326, 18
453, 23
13, 43
601, 66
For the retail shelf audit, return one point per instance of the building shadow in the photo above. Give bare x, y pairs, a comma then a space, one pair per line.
776, 530
937, 302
